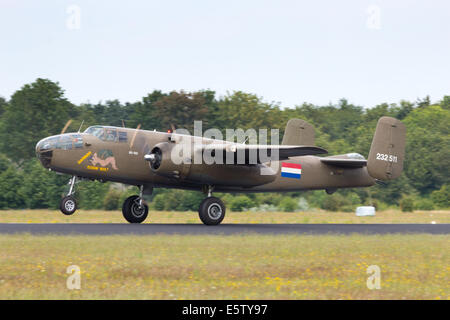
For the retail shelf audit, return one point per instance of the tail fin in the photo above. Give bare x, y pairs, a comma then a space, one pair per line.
387, 152
298, 133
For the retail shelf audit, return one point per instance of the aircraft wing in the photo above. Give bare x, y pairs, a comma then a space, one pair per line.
284, 151
345, 163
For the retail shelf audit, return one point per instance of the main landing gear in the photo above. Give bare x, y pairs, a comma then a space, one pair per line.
211, 210
68, 204
134, 209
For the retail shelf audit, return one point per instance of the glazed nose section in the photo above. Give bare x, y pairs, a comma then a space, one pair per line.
45, 144
44, 152
39, 146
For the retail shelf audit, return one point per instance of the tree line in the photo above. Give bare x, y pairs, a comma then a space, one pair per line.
40, 109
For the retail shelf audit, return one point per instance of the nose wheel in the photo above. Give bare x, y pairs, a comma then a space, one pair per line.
68, 204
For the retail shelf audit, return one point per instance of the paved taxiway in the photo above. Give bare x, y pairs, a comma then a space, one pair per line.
223, 229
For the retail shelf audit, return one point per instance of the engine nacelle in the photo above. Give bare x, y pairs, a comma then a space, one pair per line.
161, 163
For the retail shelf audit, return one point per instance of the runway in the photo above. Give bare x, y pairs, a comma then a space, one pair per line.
223, 229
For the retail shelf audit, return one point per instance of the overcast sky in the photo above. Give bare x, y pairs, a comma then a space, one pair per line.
285, 51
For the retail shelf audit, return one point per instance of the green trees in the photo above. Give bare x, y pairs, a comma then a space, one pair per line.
180, 109
91, 194
241, 202
2, 105
111, 200
111, 113
427, 162
177, 200
245, 110
445, 103
35, 111
144, 112
29, 186
9, 197
441, 197
39, 109
9, 182
407, 204
39, 187
288, 204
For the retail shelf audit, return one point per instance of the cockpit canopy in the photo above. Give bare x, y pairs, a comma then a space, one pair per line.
355, 156
105, 133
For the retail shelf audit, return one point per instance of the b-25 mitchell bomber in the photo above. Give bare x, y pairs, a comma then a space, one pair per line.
151, 159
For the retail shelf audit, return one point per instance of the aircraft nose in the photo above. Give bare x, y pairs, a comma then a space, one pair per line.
39, 145
44, 152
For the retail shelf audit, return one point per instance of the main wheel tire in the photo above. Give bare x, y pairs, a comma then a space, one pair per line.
68, 205
211, 211
132, 212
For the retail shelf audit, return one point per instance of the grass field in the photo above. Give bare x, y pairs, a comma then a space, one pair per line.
225, 267
99, 216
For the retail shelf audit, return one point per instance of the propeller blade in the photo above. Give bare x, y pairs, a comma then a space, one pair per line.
66, 126
134, 135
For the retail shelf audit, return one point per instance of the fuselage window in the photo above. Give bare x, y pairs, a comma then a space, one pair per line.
123, 136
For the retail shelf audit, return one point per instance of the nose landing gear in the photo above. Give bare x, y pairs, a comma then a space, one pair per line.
68, 204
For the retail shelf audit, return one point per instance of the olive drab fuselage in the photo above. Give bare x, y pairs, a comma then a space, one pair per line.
117, 154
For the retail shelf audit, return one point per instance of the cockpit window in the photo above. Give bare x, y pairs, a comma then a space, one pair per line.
110, 134
107, 133
96, 131
355, 156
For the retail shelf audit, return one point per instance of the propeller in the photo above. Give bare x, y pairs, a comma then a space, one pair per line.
154, 158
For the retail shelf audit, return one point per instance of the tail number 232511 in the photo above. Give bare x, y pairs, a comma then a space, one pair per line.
386, 157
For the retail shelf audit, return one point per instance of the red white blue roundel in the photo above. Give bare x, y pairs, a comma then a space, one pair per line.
291, 170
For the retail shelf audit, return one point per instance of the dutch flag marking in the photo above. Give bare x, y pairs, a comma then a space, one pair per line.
291, 170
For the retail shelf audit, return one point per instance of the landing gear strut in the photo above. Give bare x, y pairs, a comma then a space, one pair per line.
68, 204
134, 209
211, 210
